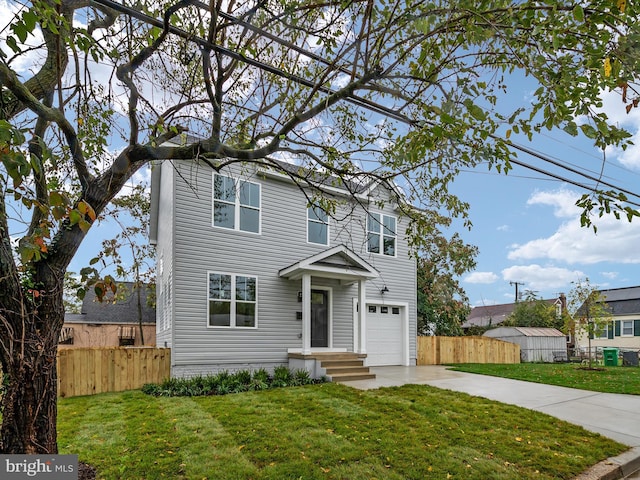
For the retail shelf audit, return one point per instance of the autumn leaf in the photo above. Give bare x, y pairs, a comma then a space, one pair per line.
39, 241
607, 67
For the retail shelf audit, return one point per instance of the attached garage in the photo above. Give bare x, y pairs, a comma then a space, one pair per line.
387, 335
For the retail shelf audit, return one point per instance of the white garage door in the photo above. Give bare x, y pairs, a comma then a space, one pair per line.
384, 335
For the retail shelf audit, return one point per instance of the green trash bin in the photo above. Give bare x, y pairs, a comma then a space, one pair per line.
610, 357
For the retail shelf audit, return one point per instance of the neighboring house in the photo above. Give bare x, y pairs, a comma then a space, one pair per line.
250, 277
488, 316
624, 329
109, 323
536, 344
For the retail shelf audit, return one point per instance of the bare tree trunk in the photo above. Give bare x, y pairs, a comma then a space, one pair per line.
29, 413
30, 324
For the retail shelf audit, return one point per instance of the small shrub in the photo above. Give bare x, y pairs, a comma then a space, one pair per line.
211, 383
224, 387
260, 380
151, 389
224, 383
301, 377
196, 386
281, 377
243, 377
240, 381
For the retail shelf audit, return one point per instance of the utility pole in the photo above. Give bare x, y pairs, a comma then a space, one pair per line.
516, 284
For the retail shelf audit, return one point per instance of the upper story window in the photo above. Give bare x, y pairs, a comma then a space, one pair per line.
236, 204
381, 234
627, 328
317, 226
232, 300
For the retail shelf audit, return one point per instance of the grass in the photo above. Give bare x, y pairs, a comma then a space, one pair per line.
325, 431
603, 379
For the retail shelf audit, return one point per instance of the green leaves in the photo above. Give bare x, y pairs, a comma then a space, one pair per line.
474, 110
22, 28
11, 157
578, 13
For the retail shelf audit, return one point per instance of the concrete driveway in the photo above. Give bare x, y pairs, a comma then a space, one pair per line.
615, 416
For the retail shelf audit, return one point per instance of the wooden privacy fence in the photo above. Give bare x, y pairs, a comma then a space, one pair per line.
444, 350
87, 371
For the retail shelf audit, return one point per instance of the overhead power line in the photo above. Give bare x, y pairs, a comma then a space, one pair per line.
565, 167
352, 98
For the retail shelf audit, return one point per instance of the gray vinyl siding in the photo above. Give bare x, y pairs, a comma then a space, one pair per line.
164, 251
201, 248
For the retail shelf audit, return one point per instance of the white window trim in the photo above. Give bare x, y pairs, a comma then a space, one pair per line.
604, 334
382, 235
233, 301
236, 210
622, 334
323, 223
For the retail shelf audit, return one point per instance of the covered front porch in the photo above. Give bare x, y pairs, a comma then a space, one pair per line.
317, 352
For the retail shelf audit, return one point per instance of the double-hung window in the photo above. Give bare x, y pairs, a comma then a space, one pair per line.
236, 204
603, 331
317, 226
232, 300
381, 234
627, 328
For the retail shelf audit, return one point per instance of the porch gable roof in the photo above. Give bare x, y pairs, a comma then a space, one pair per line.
338, 262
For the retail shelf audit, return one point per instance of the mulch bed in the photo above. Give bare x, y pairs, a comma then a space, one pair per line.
86, 472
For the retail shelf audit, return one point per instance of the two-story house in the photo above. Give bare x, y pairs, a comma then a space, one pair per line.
250, 275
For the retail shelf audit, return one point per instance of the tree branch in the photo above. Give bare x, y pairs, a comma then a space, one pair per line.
9, 79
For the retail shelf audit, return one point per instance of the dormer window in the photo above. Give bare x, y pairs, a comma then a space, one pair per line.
317, 226
381, 234
236, 204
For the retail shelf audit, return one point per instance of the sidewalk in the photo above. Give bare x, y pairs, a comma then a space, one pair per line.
615, 416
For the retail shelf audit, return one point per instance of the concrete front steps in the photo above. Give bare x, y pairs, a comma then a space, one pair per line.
345, 367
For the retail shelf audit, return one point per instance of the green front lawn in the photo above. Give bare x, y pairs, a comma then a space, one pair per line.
602, 379
325, 431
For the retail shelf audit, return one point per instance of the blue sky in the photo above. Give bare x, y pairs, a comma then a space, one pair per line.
528, 229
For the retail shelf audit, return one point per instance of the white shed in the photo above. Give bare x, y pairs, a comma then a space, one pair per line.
536, 344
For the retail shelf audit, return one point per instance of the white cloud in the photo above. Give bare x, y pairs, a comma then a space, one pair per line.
503, 228
630, 157
615, 241
481, 277
610, 275
616, 111
562, 200
537, 277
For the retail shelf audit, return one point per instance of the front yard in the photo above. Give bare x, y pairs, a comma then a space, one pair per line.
602, 379
325, 431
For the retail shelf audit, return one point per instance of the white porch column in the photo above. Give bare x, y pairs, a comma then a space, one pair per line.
362, 316
306, 314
